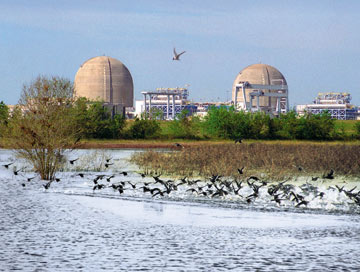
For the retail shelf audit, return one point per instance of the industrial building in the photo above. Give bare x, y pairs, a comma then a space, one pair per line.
169, 101
261, 87
105, 79
336, 103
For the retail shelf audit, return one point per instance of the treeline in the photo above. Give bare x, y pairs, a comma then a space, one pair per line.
96, 122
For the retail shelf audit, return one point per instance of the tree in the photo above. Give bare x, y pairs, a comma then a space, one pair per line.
43, 127
96, 121
143, 129
4, 116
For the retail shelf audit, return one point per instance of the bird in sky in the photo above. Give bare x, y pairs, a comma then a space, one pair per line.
176, 55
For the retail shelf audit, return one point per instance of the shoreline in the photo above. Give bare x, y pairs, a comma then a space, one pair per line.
170, 144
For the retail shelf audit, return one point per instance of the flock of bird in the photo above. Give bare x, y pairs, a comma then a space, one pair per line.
248, 189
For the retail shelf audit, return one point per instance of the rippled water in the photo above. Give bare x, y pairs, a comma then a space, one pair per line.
70, 228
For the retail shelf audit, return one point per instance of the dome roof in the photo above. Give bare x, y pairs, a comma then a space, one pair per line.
106, 79
261, 74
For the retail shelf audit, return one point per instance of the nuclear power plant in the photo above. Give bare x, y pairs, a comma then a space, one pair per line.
256, 88
105, 79
261, 87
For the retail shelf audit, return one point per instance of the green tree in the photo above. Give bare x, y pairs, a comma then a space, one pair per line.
143, 129
316, 127
184, 126
95, 120
4, 116
42, 127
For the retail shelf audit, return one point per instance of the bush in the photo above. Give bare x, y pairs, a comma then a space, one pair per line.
184, 127
357, 129
96, 121
143, 129
4, 116
229, 124
316, 127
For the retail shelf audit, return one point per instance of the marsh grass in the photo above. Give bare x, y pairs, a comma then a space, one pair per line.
273, 160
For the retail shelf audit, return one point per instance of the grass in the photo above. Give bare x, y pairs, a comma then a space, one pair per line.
276, 160
346, 126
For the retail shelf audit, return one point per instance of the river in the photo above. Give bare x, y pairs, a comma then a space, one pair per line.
70, 227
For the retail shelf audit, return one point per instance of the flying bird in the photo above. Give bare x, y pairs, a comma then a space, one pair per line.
7, 165
72, 161
176, 55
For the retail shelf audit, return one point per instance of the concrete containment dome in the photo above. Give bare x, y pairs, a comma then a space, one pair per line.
259, 74
106, 79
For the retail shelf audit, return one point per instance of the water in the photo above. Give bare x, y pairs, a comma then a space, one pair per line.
70, 228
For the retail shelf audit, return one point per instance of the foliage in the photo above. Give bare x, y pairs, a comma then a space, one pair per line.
4, 116
184, 127
96, 121
143, 129
357, 128
315, 127
42, 127
229, 124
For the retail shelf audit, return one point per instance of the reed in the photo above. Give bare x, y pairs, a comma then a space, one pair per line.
273, 160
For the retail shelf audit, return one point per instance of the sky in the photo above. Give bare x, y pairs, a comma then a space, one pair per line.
314, 44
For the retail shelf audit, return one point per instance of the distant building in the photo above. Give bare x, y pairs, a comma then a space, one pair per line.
336, 103
105, 79
261, 87
169, 101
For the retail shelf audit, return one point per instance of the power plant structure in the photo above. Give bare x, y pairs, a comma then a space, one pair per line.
336, 103
169, 101
105, 79
261, 87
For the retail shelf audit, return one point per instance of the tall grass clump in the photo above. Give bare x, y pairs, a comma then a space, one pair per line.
271, 159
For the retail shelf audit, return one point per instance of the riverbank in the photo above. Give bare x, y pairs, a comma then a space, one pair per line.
171, 144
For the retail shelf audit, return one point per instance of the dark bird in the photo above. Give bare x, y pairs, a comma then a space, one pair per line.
57, 179
329, 175
109, 178
23, 184
98, 177
145, 189
132, 185
238, 140
124, 173
47, 185
107, 160
7, 165
314, 178
158, 193
303, 202
72, 161
81, 175
108, 164
179, 145
240, 170
29, 179
254, 178
98, 187
176, 55
142, 175
321, 195
16, 172
192, 190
